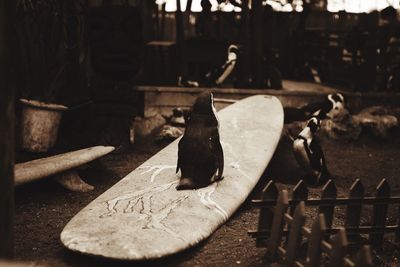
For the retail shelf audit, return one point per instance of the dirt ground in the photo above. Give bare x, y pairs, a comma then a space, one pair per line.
43, 208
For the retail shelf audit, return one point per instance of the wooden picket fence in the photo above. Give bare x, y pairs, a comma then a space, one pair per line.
278, 211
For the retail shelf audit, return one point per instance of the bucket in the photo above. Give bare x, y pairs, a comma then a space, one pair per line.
39, 125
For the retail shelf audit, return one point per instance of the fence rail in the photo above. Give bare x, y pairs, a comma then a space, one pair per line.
283, 217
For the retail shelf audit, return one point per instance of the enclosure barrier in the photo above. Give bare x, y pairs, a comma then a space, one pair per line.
277, 210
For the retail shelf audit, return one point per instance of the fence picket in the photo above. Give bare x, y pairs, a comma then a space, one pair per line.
278, 223
314, 241
398, 225
379, 214
364, 257
353, 211
277, 211
300, 192
266, 214
338, 249
298, 221
328, 191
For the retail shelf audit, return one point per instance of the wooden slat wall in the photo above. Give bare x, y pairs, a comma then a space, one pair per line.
7, 72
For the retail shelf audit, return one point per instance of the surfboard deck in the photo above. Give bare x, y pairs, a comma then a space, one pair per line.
41, 168
143, 216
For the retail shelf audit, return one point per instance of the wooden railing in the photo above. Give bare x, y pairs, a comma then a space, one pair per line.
283, 217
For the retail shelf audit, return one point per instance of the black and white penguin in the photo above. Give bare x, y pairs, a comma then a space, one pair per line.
309, 155
219, 75
200, 152
178, 118
328, 108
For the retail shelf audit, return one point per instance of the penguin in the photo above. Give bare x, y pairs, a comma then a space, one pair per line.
184, 82
219, 75
178, 118
328, 108
200, 153
309, 155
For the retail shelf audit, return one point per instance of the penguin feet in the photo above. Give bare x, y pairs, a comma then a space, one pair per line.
217, 179
186, 184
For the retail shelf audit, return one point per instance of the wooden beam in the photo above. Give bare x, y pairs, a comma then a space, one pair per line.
7, 39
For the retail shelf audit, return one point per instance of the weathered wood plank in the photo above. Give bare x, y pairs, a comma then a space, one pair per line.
266, 214
338, 249
295, 234
300, 193
277, 224
328, 191
364, 257
7, 118
258, 43
314, 241
353, 212
379, 214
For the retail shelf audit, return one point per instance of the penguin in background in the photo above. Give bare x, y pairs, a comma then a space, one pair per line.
328, 108
309, 155
217, 76
200, 153
178, 118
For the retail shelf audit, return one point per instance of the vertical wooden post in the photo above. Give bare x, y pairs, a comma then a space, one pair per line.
379, 214
295, 234
278, 223
180, 36
266, 214
397, 233
353, 212
314, 241
245, 30
329, 191
300, 193
7, 114
338, 249
162, 37
258, 43
72, 68
364, 257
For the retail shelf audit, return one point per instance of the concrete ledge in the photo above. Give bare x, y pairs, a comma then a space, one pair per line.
161, 100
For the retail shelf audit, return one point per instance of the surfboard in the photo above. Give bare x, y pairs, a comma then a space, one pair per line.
41, 168
144, 217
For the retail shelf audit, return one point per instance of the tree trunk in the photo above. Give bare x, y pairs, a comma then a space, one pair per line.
7, 114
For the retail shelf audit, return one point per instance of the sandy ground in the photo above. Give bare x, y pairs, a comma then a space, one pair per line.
43, 207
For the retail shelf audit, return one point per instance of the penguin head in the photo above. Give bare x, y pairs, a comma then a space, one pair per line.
233, 52
204, 107
233, 49
204, 104
336, 98
337, 105
177, 112
314, 124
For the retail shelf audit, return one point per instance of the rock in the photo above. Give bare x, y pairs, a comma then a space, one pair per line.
145, 126
169, 133
342, 126
378, 120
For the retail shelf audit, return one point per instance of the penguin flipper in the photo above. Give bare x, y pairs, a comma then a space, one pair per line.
318, 160
219, 154
178, 163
